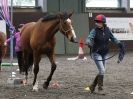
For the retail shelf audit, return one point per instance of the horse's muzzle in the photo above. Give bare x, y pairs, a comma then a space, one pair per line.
73, 40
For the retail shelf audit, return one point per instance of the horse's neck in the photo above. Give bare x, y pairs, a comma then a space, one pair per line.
53, 29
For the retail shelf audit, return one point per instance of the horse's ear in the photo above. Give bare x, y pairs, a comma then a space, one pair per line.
70, 14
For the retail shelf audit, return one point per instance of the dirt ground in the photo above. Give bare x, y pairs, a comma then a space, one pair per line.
73, 77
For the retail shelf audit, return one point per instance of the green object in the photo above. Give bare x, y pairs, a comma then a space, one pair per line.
9, 64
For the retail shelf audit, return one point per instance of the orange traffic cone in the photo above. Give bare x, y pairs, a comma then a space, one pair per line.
81, 52
81, 46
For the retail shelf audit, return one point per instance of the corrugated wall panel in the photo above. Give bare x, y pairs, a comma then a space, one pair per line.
60, 46
53, 5
69, 5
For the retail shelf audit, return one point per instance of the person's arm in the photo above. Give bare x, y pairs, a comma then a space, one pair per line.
90, 38
9, 39
121, 47
113, 39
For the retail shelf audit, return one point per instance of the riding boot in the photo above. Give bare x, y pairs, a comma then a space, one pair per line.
100, 82
100, 85
93, 85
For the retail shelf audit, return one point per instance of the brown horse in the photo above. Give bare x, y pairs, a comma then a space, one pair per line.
2, 46
39, 38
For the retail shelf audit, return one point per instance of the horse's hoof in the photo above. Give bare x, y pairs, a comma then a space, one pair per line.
45, 85
22, 73
35, 90
35, 87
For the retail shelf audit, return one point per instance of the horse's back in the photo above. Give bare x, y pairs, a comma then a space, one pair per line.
35, 36
41, 39
27, 27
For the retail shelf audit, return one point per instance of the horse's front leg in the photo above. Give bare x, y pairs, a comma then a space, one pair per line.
53, 68
37, 58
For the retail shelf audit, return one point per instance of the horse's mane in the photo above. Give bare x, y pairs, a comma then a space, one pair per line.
49, 16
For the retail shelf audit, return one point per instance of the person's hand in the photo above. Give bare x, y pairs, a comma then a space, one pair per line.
5, 43
90, 46
120, 45
121, 52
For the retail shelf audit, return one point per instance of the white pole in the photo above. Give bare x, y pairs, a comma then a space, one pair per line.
12, 11
11, 36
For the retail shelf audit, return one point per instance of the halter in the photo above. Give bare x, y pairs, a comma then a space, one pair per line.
61, 28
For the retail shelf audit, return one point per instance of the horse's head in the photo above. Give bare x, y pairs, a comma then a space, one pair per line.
66, 27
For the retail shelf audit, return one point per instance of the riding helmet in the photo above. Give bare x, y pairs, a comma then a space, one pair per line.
100, 18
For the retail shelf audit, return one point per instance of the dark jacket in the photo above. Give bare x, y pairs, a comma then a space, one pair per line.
99, 40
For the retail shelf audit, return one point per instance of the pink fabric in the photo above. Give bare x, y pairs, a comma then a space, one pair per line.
17, 41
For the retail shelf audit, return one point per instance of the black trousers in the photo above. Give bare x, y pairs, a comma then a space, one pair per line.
20, 60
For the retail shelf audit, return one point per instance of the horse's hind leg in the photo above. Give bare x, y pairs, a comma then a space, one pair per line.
26, 63
37, 58
53, 68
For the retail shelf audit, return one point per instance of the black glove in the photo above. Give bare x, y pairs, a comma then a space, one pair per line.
121, 52
89, 45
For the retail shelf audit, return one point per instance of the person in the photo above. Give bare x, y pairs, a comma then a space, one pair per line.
98, 41
18, 49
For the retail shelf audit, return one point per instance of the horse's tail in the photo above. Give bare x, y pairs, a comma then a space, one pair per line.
30, 61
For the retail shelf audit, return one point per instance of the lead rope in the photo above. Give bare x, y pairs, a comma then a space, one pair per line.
97, 59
